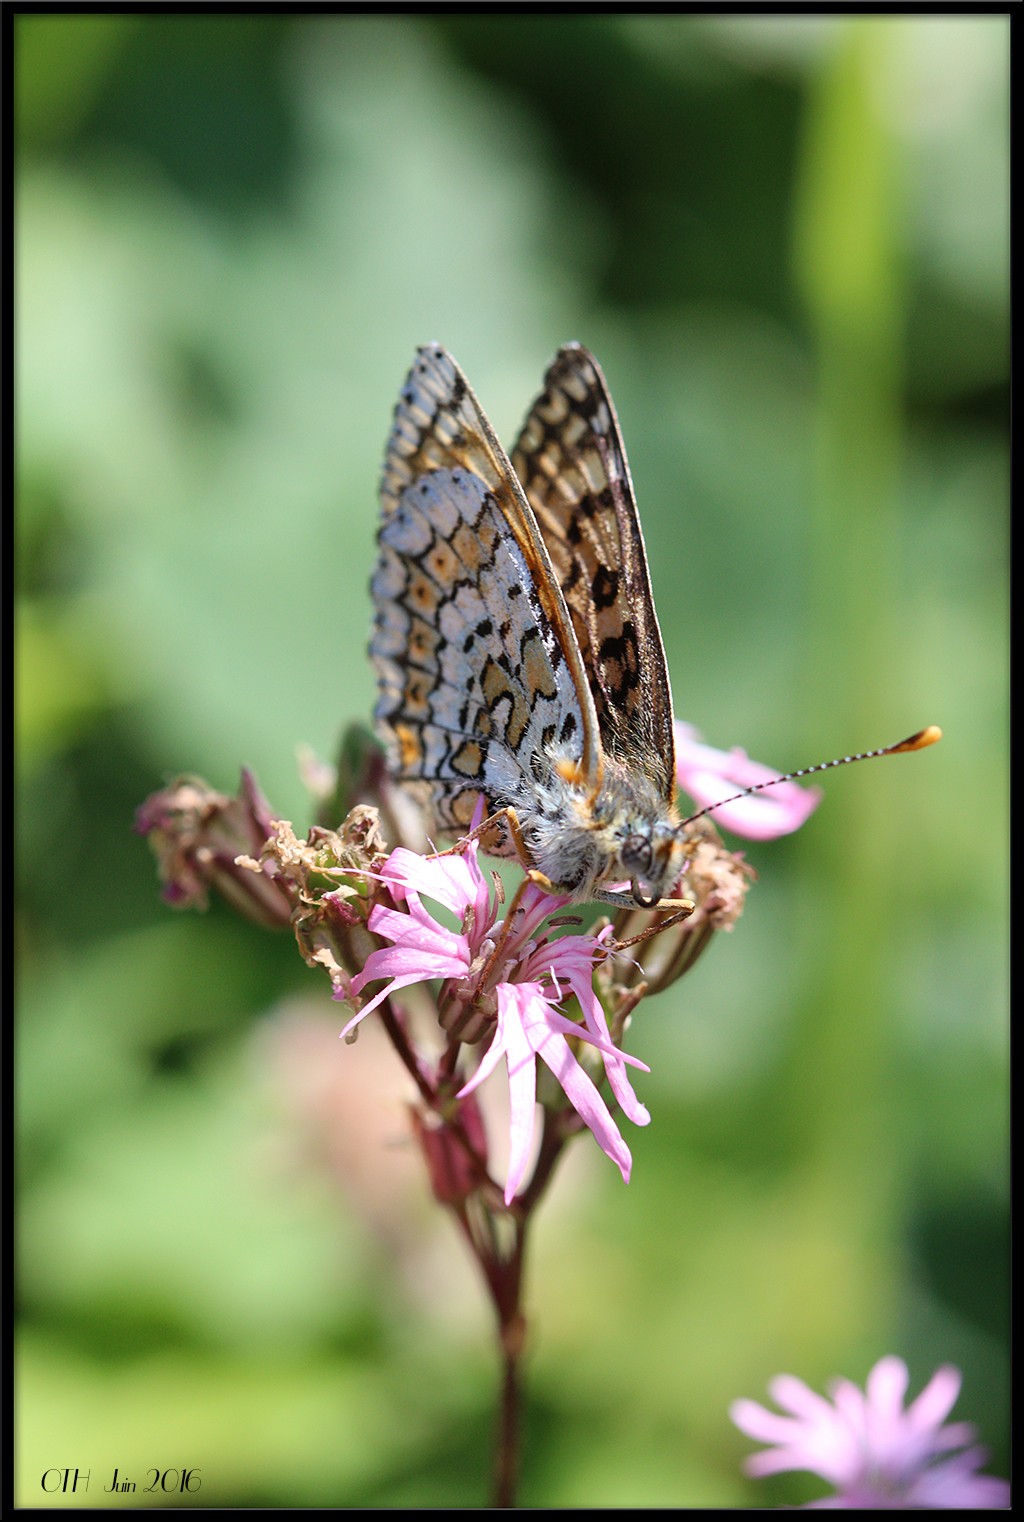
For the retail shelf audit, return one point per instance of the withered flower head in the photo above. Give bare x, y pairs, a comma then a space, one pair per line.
663, 946
197, 836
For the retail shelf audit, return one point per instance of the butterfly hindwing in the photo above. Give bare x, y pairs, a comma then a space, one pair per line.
572, 465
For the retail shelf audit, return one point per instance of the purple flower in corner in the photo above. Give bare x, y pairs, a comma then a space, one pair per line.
876, 1453
710, 776
512, 980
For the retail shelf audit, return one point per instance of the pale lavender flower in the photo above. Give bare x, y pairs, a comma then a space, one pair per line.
522, 991
876, 1453
710, 775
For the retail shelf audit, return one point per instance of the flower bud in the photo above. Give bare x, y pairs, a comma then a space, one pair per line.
454, 1149
717, 880
198, 836
332, 877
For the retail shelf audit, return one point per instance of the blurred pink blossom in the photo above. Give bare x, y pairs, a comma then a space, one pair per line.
876, 1453
710, 775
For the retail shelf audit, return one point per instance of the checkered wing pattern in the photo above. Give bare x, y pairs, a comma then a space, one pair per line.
572, 465
480, 674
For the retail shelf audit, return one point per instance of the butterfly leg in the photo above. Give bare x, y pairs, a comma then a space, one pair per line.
682, 909
676, 906
507, 931
507, 821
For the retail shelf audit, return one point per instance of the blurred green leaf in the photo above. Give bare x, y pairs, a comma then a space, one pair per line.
61, 62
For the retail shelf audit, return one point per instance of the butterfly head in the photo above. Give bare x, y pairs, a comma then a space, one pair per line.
640, 839
652, 857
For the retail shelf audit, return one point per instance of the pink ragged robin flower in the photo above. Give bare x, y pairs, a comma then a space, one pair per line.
520, 991
876, 1453
710, 775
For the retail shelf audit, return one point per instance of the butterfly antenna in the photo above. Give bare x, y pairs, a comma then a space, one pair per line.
923, 738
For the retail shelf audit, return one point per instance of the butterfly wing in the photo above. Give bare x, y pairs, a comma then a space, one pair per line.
572, 465
479, 670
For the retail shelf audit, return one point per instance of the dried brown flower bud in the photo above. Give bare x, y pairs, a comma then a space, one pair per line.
198, 835
717, 880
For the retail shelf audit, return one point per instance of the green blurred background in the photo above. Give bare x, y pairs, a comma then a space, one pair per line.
786, 241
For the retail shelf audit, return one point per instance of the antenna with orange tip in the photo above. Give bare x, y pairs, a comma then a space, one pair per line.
924, 737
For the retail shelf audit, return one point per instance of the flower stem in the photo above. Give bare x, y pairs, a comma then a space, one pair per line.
506, 1289
506, 1470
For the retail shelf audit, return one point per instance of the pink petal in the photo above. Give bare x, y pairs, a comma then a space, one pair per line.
793, 1395
876, 1454
529, 1027
403, 967
710, 776
572, 958
614, 1060
853, 1410
886, 1386
420, 951
513, 1000
579, 1089
815, 1438
936, 1400
455, 881
411, 963
560, 1023
762, 1425
954, 1484
511, 1043
535, 906
418, 932
368, 1009
488, 1062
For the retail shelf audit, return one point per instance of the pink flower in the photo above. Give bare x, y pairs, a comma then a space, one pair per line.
873, 1451
710, 776
525, 986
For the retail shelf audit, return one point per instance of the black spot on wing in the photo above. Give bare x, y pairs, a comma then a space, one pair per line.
604, 589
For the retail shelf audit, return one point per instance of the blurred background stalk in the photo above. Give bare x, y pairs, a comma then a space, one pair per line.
848, 262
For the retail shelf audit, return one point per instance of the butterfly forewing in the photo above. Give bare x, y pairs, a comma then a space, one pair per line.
572, 465
479, 671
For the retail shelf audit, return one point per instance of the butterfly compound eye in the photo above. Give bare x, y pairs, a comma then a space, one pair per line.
637, 856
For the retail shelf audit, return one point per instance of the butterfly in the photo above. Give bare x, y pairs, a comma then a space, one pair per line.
521, 670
